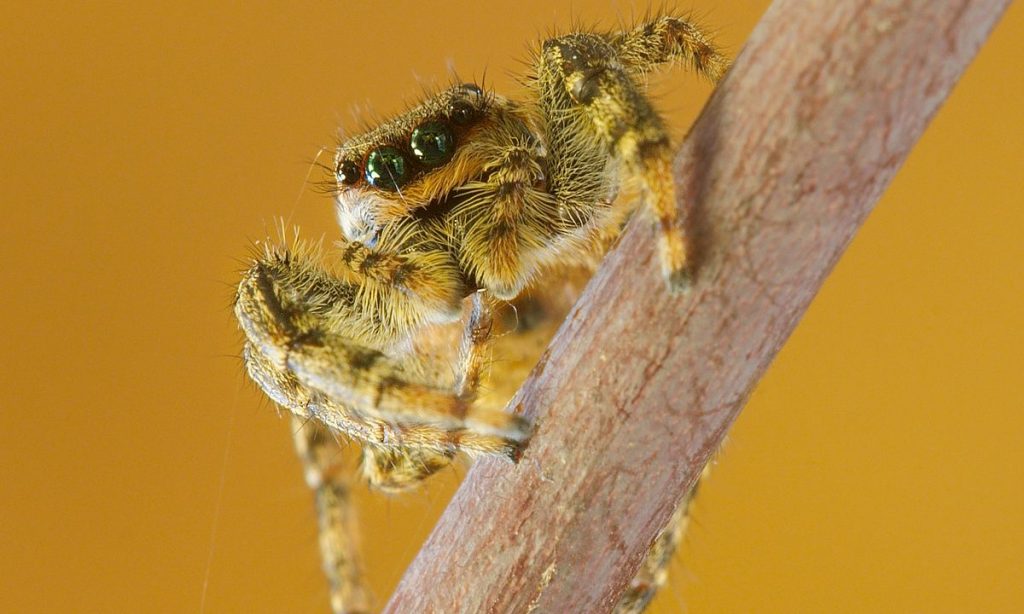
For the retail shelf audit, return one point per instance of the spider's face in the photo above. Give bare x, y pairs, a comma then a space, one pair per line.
410, 164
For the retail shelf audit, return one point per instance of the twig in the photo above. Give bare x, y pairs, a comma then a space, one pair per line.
638, 388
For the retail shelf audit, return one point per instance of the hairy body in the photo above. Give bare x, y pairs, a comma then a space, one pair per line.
468, 195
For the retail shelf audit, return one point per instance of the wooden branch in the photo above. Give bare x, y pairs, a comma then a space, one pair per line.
639, 388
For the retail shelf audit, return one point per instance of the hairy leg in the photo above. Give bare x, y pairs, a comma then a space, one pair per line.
472, 358
339, 534
653, 43
592, 79
374, 299
653, 571
289, 311
669, 39
426, 280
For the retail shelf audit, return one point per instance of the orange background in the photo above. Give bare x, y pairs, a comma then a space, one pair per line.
879, 466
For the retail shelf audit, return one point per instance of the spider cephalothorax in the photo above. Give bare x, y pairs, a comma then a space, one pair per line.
467, 194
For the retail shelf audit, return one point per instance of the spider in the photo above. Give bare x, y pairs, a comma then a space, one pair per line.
466, 202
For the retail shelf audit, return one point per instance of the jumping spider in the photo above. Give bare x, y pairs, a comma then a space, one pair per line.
467, 195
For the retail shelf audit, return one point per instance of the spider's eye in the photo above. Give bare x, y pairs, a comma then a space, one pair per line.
461, 112
348, 173
386, 168
432, 143
472, 88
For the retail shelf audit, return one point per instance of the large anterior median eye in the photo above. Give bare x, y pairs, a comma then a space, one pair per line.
386, 168
432, 143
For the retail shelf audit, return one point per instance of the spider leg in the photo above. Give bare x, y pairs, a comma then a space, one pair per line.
669, 39
592, 79
425, 279
395, 470
471, 354
339, 535
293, 352
653, 571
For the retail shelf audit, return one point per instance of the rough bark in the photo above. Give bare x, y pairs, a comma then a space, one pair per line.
639, 388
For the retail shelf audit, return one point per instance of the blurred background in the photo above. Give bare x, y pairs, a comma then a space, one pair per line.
878, 467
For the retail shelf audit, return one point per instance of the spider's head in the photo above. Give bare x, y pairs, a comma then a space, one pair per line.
411, 163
